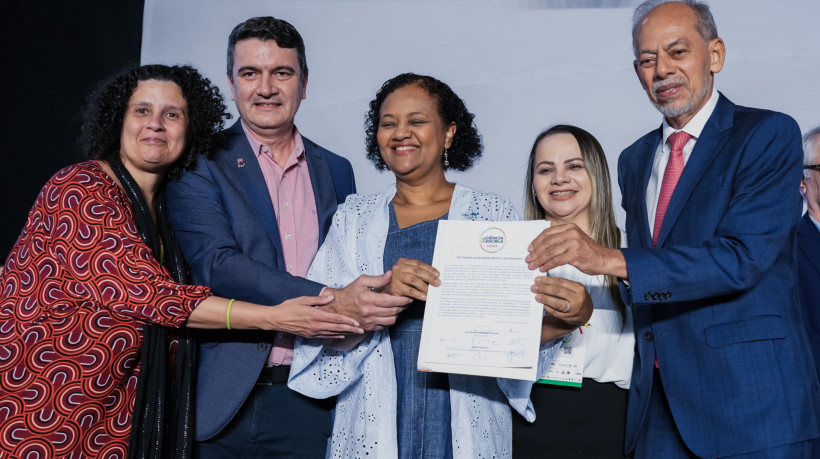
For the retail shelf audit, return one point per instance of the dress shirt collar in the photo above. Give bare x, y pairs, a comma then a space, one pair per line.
816, 223
695, 126
260, 148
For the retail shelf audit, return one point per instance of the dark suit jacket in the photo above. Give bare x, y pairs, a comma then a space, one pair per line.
808, 283
716, 301
224, 220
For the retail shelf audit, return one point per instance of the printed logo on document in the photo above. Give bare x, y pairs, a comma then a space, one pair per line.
492, 240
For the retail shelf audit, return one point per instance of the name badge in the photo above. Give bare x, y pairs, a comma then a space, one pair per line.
567, 368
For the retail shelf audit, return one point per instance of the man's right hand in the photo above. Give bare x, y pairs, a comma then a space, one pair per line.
304, 316
361, 301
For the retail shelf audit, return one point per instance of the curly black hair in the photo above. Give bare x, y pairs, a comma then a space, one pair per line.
466, 146
106, 106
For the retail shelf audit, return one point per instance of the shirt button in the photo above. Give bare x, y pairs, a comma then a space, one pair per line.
288, 236
648, 336
285, 204
280, 334
290, 267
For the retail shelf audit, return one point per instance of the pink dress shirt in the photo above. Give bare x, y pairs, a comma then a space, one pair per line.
294, 204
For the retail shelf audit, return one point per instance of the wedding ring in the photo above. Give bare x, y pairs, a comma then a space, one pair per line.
567, 308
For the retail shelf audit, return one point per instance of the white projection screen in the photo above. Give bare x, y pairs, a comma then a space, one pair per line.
521, 66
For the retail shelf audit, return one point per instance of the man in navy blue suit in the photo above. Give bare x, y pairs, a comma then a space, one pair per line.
808, 249
722, 365
249, 220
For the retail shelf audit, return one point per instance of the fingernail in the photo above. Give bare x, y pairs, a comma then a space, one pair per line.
538, 280
538, 298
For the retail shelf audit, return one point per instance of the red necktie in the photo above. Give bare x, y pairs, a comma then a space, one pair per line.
670, 179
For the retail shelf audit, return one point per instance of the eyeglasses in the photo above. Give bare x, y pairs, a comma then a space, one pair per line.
815, 167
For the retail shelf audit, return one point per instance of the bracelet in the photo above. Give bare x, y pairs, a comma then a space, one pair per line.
228, 314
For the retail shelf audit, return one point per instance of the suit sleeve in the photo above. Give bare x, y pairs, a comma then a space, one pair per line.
759, 219
205, 233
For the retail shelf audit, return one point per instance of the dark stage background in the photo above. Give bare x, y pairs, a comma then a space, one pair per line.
55, 53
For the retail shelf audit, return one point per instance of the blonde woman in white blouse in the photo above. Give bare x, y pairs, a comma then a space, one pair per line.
568, 183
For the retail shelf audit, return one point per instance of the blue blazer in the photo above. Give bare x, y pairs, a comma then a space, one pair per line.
716, 301
224, 220
808, 281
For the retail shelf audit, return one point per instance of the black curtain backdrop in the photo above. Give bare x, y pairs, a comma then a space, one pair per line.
55, 53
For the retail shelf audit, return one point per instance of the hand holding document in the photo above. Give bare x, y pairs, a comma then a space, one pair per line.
483, 319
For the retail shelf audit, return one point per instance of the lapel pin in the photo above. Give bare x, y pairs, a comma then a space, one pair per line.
240, 163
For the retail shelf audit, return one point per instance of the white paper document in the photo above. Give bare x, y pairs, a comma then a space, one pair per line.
483, 319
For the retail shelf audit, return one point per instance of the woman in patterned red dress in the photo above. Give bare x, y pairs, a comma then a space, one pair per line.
95, 280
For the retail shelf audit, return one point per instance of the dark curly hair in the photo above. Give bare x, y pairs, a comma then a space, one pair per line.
466, 146
106, 106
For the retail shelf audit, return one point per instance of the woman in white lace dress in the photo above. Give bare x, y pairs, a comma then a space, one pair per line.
417, 128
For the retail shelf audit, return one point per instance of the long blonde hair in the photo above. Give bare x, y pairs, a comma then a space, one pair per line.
602, 226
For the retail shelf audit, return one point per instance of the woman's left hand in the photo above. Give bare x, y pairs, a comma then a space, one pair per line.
411, 278
563, 299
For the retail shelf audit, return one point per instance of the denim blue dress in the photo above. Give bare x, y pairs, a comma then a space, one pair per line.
423, 408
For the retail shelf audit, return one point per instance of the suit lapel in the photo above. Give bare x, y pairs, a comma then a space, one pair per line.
241, 158
808, 241
714, 136
645, 160
324, 191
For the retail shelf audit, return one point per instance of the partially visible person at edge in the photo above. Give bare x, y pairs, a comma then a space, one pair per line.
568, 182
250, 218
722, 366
95, 284
808, 250
417, 128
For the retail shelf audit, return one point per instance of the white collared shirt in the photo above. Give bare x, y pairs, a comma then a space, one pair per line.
816, 223
694, 127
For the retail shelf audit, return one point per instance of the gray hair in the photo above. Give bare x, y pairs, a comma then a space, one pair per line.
810, 149
706, 23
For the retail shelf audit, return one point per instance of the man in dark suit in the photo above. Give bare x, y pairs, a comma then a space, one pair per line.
249, 221
808, 249
722, 365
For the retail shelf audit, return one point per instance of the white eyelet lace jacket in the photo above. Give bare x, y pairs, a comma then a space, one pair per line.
364, 378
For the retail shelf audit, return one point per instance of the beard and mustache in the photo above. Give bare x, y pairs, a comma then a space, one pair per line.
671, 110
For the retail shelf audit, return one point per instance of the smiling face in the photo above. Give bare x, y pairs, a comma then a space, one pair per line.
561, 181
411, 134
267, 86
674, 63
154, 126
